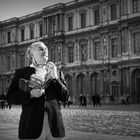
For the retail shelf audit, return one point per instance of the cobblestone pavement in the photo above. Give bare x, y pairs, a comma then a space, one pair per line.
114, 122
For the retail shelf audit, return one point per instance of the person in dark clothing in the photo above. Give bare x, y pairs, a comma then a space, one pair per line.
80, 100
94, 100
98, 98
127, 100
39, 88
69, 102
84, 102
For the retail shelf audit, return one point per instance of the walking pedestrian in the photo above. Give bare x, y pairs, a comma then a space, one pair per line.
94, 100
84, 101
39, 88
80, 100
69, 102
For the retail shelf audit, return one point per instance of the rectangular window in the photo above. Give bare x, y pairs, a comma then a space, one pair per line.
97, 50
46, 24
58, 23
70, 23
31, 33
113, 11
97, 17
41, 29
114, 47
13, 60
136, 43
83, 52
51, 25
2, 62
8, 37
8, 63
70, 54
123, 40
22, 34
83, 20
135, 6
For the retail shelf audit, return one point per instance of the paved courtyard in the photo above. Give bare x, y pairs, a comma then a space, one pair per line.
104, 121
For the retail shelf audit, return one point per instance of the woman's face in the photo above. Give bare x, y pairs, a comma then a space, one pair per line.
40, 54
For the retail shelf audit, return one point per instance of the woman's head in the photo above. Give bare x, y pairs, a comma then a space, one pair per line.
38, 53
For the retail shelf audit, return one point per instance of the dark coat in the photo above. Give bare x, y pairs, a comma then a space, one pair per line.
31, 119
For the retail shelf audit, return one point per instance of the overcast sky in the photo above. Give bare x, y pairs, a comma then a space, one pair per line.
18, 8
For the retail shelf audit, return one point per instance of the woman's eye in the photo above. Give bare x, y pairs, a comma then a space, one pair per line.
41, 49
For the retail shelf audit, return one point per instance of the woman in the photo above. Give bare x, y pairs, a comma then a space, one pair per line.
41, 117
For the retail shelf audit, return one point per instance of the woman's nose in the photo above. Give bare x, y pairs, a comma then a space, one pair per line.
43, 51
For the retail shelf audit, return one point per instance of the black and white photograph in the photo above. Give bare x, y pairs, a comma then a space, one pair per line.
69, 69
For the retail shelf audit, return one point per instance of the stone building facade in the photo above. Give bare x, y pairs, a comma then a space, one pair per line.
95, 42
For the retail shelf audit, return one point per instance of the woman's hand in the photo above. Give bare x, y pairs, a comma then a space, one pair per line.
54, 74
36, 92
52, 71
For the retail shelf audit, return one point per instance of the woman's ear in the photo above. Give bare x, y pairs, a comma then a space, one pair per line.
31, 55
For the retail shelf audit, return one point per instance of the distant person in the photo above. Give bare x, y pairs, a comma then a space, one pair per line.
84, 102
127, 100
112, 99
69, 102
98, 98
80, 100
94, 100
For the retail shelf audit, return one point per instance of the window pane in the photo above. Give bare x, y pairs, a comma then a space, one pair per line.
9, 37
113, 11
97, 50
8, 63
70, 23
83, 52
41, 29
137, 43
114, 47
97, 16
83, 20
135, 6
70, 54
22, 34
31, 33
